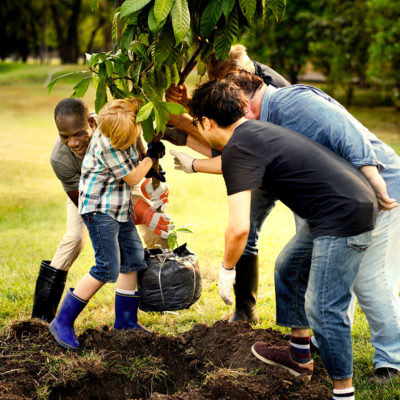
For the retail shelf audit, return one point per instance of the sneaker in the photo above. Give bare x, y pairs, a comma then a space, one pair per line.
384, 375
280, 355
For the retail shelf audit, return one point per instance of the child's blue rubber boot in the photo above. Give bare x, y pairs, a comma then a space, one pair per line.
62, 326
126, 308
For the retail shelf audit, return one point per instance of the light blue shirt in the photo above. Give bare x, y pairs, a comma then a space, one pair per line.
313, 113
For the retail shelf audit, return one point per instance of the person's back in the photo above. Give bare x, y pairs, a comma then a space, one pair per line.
321, 187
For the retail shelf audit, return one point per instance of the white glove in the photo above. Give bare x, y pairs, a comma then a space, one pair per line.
183, 161
158, 197
226, 280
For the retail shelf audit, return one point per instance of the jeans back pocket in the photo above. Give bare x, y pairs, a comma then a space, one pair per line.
360, 242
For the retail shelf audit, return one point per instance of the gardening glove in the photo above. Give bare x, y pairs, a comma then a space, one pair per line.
159, 223
183, 161
158, 197
155, 150
160, 175
226, 280
175, 136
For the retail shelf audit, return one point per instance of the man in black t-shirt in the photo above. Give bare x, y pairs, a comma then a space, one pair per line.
335, 198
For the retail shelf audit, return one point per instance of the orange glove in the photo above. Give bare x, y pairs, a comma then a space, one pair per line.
158, 197
159, 223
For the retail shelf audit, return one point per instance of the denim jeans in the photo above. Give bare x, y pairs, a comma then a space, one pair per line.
376, 286
117, 246
319, 295
261, 205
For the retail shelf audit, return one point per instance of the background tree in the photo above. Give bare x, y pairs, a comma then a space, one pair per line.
283, 45
339, 42
384, 51
157, 42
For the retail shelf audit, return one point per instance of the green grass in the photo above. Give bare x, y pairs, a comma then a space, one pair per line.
32, 219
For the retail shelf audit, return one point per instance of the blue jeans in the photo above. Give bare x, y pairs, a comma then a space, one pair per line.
318, 295
261, 205
117, 247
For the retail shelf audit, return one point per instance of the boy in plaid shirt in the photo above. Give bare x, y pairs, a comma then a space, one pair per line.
110, 168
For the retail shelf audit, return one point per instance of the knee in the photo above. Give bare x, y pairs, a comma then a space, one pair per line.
75, 239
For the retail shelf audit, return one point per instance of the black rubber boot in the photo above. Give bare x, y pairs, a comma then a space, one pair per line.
246, 288
50, 285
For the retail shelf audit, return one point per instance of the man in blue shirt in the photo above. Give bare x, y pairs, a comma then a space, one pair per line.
314, 114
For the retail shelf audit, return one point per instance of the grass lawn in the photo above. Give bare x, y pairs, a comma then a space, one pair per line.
32, 219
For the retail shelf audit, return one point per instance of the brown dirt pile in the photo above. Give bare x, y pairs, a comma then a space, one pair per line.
203, 363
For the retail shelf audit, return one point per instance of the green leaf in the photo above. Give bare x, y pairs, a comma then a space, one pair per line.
162, 9
227, 6
210, 17
201, 68
151, 21
174, 73
126, 37
95, 58
225, 36
161, 115
81, 87
131, 6
167, 75
148, 129
144, 112
115, 28
248, 8
180, 19
139, 49
109, 67
278, 8
175, 108
162, 49
54, 81
94, 5
184, 230
101, 96
172, 240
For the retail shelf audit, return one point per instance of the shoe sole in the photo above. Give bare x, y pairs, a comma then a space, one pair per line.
270, 362
59, 341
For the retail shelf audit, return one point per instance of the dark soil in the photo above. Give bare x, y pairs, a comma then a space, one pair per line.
204, 363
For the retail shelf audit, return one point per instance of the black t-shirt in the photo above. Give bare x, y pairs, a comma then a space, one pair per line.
334, 197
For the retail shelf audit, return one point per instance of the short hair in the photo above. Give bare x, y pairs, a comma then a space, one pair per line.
221, 101
238, 60
72, 106
117, 121
248, 82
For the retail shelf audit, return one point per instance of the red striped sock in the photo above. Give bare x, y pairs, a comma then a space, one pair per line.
300, 349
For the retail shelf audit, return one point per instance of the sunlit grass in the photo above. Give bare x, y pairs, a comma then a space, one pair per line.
32, 219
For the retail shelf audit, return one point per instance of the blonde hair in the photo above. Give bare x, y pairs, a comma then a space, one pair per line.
238, 60
117, 121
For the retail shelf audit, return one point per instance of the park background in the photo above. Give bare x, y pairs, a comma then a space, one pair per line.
349, 49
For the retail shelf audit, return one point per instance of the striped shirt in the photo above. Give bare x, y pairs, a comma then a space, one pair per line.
101, 187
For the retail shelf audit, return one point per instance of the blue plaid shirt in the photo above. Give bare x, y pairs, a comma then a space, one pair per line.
101, 187
313, 113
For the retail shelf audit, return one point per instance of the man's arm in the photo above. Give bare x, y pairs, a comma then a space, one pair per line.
236, 235
74, 196
379, 185
189, 164
238, 227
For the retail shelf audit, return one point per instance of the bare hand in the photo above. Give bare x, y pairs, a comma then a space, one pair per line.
177, 94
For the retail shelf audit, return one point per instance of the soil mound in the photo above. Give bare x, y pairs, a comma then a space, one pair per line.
203, 363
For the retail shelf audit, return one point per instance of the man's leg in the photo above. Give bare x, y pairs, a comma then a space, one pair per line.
246, 285
334, 266
291, 277
377, 288
52, 275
